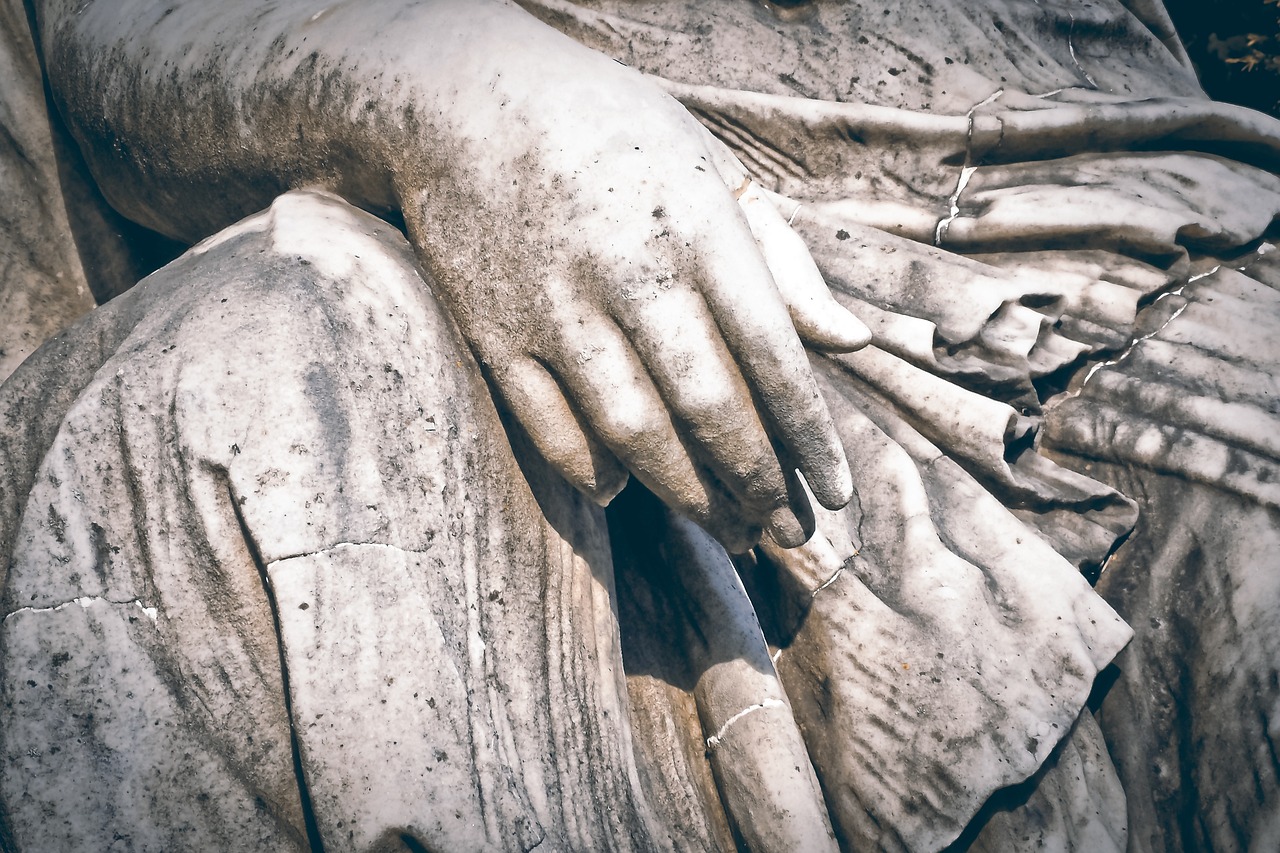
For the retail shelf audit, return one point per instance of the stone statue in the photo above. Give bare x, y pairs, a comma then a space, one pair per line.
317, 537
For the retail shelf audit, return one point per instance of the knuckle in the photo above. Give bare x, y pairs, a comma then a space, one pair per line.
634, 431
712, 405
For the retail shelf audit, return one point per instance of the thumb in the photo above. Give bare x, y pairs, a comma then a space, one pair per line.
820, 320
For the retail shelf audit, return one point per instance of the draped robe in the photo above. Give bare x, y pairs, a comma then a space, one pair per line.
344, 604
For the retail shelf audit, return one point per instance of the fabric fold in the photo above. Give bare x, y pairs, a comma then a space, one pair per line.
934, 647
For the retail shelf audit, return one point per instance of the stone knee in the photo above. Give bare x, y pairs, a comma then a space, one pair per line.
279, 579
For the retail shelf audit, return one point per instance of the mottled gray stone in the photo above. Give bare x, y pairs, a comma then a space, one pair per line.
42, 283
250, 564
279, 573
1075, 802
1190, 417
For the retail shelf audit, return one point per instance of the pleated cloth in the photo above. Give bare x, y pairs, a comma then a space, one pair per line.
1007, 193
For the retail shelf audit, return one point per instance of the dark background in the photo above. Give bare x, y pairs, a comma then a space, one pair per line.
1235, 46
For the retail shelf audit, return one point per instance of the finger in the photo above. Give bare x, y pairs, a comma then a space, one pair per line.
606, 381
747, 306
819, 319
756, 326
794, 528
676, 338
537, 402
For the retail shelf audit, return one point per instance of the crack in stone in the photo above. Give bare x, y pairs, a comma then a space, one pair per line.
87, 601
1128, 350
314, 840
1071, 46
715, 739
966, 172
337, 545
1257, 255
828, 582
1132, 345
835, 577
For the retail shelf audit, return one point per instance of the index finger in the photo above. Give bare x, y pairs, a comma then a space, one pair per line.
757, 328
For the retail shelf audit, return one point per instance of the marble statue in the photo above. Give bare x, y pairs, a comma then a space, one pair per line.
634, 425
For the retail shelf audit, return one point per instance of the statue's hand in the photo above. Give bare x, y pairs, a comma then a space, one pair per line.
578, 224
625, 307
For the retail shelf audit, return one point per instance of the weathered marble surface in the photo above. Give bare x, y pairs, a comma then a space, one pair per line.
64, 246
320, 517
1190, 413
283, 558
42, 283
249, 563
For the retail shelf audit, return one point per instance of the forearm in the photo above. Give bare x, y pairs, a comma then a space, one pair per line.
193, 113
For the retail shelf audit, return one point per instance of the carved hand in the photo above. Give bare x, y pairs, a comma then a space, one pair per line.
592, 254
581, 225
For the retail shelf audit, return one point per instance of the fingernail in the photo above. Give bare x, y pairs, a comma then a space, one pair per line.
835, 489
607, 486
785, 528
837, 331
854, 333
